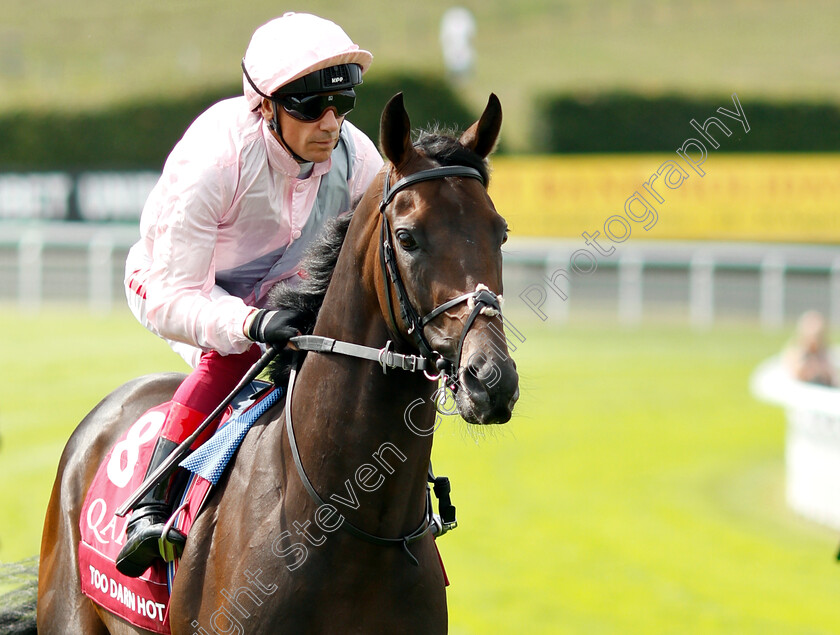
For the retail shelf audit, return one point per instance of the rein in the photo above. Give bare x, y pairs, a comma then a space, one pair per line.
480, 301
425, 525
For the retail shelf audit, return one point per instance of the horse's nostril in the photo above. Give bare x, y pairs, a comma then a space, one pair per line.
472, 379
484, 371
474, 369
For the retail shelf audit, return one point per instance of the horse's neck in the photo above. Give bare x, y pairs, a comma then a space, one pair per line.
351, 418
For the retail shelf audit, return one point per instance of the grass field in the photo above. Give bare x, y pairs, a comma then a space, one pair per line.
71, 55
639, 488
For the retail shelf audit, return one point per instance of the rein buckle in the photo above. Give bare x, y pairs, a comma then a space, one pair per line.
441, 527
410, 363
386, 356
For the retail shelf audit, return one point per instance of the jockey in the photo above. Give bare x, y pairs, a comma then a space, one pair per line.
241, 196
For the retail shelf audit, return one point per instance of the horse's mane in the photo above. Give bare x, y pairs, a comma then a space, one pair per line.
307, 295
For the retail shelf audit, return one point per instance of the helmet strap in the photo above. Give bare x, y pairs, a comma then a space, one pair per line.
274, 126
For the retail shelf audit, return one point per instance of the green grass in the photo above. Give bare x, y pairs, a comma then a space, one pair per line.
639, 488
77, 54
56, 366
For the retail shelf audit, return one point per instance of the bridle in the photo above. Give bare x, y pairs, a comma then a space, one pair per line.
481, 301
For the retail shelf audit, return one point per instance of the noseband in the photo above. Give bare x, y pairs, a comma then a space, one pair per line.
482, 300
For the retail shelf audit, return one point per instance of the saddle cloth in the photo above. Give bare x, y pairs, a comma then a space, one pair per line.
144, 601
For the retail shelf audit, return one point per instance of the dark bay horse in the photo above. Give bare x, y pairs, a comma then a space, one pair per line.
420, 265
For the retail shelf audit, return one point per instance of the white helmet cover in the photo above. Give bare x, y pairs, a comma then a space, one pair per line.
292, 46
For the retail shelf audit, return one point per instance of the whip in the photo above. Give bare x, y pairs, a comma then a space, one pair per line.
183, 449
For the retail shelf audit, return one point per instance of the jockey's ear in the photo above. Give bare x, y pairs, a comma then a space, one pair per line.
266, 110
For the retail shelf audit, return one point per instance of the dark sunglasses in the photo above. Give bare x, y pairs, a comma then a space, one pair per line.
313, 107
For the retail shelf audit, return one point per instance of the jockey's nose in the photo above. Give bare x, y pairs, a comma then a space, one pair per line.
329, 120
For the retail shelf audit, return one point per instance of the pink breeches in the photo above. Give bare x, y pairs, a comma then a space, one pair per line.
205, 387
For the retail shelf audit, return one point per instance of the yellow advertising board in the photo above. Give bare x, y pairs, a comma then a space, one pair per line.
744, 197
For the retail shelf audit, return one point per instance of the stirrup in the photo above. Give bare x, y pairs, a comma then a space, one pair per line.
141, 551
167, 549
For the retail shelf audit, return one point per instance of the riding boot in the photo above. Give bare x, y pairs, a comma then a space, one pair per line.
148, 519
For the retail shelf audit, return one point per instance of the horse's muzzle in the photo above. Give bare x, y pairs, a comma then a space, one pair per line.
488, 389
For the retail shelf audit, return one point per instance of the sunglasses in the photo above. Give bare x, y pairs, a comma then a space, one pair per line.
313, 107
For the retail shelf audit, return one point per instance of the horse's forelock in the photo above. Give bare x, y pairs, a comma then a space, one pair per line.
442, 146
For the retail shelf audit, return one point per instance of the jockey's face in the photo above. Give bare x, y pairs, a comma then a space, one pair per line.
311, 140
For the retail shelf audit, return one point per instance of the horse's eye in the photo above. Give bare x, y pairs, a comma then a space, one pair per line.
505, 237
406, 240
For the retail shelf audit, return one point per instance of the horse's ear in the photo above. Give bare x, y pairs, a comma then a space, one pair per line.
481, 137
395, 131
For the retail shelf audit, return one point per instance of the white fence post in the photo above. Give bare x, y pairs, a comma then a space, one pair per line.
630, 289
101, 273
772, 291
556, 306
702, 290
30, 270
834, 311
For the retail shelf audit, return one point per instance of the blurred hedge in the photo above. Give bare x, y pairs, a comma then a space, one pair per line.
429, 100
625, 122
140, 134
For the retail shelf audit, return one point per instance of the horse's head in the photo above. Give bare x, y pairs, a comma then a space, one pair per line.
443, 248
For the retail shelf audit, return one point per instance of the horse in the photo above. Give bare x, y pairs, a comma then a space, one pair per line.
410, 284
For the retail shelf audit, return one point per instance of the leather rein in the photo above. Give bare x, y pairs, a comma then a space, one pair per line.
482, 300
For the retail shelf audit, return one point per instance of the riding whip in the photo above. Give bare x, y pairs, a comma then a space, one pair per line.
183, 449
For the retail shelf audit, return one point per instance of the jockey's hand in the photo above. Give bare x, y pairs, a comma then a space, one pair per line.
273, 327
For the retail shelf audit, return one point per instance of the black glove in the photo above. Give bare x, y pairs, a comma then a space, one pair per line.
273, 327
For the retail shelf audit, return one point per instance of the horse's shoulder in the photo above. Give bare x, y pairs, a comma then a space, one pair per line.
251, 485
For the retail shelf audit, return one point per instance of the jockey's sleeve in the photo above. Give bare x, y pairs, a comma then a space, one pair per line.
182, 274
210, 189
